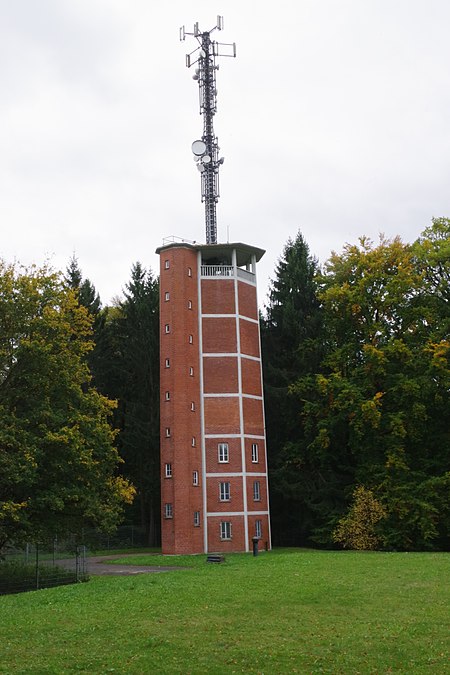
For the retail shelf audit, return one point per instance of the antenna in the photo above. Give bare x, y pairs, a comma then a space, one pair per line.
206, 149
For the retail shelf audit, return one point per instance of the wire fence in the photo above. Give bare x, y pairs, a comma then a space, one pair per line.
65, 561
35, 567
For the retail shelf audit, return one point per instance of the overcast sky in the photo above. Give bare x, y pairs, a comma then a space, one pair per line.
333, 119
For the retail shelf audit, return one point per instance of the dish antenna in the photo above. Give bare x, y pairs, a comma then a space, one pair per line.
206, 149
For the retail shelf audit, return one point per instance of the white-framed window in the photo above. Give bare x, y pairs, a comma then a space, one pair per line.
255, 453
191, 371
256, 491
224, 492
195, 478
258, 528
167, 395
192, 406
189, 304
166, 264
225, 530
189, 271
223, 453
167, 432
196, 518
166, 296
168, 511
167, 363
168, 470
167, 328
191, 339
193, 442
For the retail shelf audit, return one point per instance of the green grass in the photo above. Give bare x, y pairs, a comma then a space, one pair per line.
287, 611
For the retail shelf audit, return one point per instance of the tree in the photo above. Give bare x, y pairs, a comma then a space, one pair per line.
376, 413
291, 333
358, 529
126, 368
57, 457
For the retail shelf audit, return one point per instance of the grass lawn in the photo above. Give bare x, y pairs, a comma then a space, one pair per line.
289, 611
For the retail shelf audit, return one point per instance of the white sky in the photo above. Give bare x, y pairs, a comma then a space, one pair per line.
333, 119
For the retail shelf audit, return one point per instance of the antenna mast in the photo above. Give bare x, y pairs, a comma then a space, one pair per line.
206, 150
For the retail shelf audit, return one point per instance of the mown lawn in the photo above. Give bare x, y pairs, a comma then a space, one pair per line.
291, 611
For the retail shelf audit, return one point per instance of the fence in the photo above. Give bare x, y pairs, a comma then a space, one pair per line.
35, 567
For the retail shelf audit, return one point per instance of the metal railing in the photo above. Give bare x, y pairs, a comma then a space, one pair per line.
214, 271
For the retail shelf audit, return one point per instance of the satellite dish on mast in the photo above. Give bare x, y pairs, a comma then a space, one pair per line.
198, 148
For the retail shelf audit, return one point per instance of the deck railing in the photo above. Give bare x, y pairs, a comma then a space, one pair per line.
214, 271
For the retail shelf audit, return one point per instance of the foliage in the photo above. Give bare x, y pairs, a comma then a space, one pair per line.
376, 412
126, 368
357, 530
57, 455
291, 336
281, 612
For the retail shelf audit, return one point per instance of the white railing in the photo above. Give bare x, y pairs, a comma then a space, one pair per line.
217, 271
214, 271
248, 276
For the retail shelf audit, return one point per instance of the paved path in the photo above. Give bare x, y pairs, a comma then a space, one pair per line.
97, 565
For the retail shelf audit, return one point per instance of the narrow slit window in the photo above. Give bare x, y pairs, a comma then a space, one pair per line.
193, 443
195, 478
256, 491
191, 339
196, 518
258, 529
255, 453
167, 395
166, 296
193, 406
166, 264
167, 327
168, 470
167, 363
191, 371
168, 511
189, 271
167, 432
189, 304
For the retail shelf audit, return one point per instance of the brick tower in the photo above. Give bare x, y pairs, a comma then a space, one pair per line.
213, 450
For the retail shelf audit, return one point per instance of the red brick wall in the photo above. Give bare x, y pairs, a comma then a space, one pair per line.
219, 335
218, 296
248, 305
249, 338
222, 415
251, 377
220, 375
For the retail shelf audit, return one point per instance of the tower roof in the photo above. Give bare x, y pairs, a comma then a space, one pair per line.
213, 252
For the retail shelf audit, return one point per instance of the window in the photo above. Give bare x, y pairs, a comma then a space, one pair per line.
195, 478
191, 339
166, 264
191, 372
167, 296
192, 406
189, 271
167, 363
256, 491
196, 518
167, 327
255, 453
167, 432
258, 529
167, 396
193, 441
168, 511
223, 453
224, 492
168, 470
189, 304
225, 530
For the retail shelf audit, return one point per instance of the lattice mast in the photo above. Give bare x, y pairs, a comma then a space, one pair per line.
206, 149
